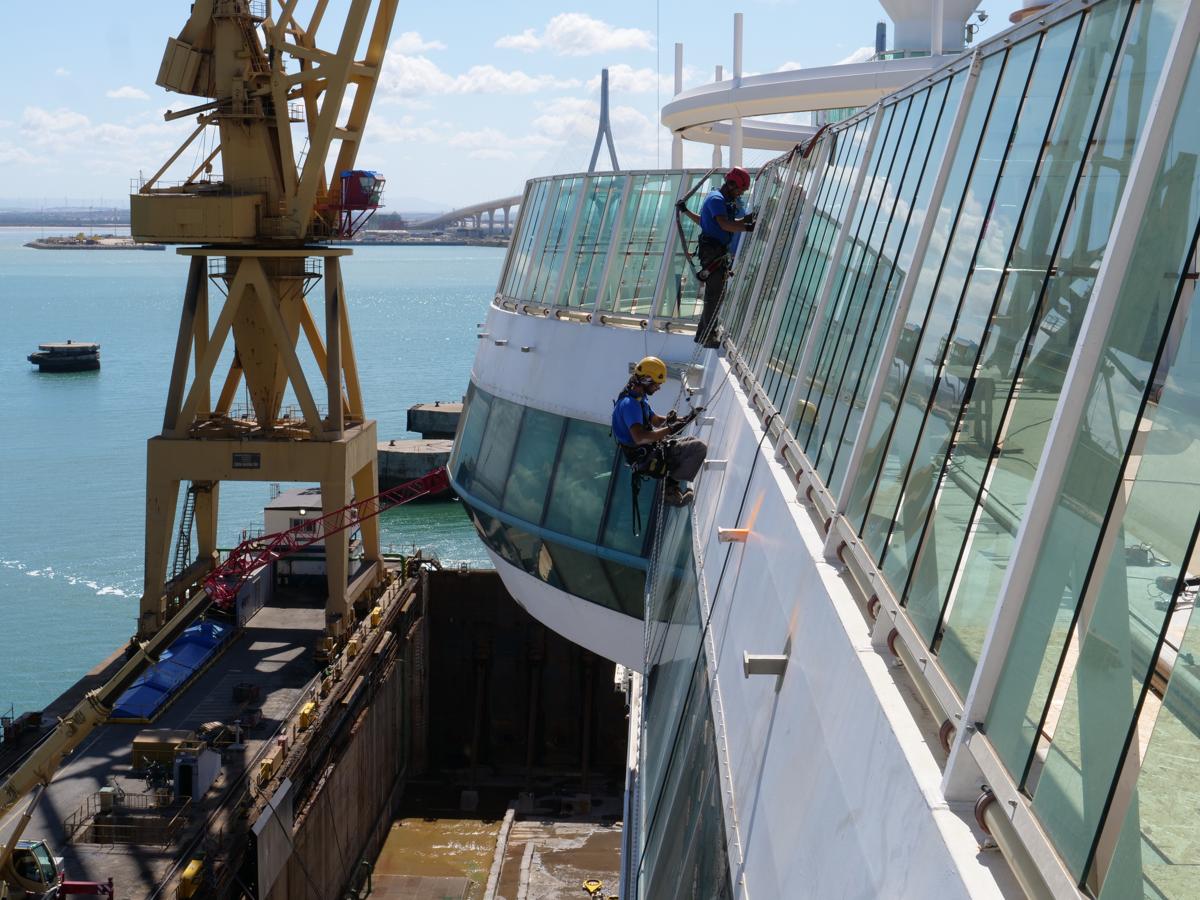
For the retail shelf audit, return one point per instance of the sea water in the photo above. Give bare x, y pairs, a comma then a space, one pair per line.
73, 457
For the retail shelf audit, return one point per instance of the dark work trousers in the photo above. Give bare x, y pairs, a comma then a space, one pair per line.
684, 457
714, 288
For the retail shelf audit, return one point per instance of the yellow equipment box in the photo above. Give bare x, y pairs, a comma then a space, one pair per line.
158, 745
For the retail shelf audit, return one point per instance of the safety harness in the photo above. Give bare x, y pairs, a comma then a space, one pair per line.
648, 460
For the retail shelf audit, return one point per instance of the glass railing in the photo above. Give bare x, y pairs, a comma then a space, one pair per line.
918, 312
607, 246
551, 496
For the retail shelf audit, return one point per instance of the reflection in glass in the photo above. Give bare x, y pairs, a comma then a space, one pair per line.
983, 488
581, 481
899, 367
1066, 556
495, 452
532, 465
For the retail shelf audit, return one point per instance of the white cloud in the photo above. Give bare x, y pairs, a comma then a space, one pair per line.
417, 76
40, 126
527, 41
491, 143
623, 79
127, 92
11, 153
61, 72
412, 42
567, 118
578, 34
862, 54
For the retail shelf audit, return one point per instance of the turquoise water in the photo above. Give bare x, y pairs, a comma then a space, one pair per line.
72, 483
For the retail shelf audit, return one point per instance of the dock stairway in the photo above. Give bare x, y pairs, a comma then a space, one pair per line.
183, 540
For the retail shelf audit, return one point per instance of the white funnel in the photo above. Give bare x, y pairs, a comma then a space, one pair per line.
914, 23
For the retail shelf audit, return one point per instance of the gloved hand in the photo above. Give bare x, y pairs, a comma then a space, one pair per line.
749, 225
681, 206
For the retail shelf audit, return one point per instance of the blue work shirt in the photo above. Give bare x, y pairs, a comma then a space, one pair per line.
715, 205
629, 411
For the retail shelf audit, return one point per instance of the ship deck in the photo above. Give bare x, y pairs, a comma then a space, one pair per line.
273, 652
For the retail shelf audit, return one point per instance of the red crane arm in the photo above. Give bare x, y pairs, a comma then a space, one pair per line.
224, 582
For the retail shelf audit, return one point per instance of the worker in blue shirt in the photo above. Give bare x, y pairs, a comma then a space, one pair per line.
648, 440
721, 228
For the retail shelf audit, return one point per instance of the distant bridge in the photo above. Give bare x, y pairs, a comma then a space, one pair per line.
472, 216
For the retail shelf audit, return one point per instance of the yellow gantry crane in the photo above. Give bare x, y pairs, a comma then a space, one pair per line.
254, 215
268, 86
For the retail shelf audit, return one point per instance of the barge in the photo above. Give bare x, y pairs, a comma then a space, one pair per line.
68, 356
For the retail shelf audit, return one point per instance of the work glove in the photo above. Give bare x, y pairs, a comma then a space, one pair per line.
749, 225
680, 206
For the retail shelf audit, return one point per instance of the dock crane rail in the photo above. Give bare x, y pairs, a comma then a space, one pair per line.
221, 588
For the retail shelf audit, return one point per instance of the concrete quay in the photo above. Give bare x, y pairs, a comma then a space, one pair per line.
404, 460
434, 420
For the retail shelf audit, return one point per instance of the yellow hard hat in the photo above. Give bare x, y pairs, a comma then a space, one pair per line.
653, 368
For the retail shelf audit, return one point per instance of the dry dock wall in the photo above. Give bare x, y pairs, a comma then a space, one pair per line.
347, 817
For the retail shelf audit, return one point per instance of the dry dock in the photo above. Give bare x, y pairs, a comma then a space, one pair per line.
393, 772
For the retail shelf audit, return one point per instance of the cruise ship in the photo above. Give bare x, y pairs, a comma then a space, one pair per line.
924, 629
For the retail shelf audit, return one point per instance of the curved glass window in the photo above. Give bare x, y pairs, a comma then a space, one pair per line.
607, 242
552, 496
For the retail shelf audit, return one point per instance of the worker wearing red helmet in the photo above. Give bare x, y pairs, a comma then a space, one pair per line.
720, 229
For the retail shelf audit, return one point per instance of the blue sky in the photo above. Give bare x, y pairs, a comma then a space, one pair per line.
476, 97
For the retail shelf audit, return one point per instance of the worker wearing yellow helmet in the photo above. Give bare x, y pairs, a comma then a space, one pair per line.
648, 440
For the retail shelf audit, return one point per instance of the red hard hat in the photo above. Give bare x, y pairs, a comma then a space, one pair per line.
739, 178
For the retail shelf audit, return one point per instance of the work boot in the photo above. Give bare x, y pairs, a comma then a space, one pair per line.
676, 495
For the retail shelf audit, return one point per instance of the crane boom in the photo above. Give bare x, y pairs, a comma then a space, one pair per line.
226, 580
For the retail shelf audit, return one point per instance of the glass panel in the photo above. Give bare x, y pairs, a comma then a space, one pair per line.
630, 585
522, 241
495, 452
546, 279
767, 194
858, 260
618, 527
646, 228
532, 465
809, 273
906, 203
674, 642
683, 292
466, 448
1152, 519
581, 481
536, 243
973, 515
954, 384
930, 267
1157, 855
1066, 555
493, 533
685, 855
897, 510
684, 837
596, 238
583, 575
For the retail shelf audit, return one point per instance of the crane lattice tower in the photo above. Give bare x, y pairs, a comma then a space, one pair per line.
255, 216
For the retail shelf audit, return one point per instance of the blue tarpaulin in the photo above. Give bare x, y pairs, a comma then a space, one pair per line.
189, 653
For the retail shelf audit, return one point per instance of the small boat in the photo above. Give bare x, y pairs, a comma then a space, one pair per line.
71, 356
